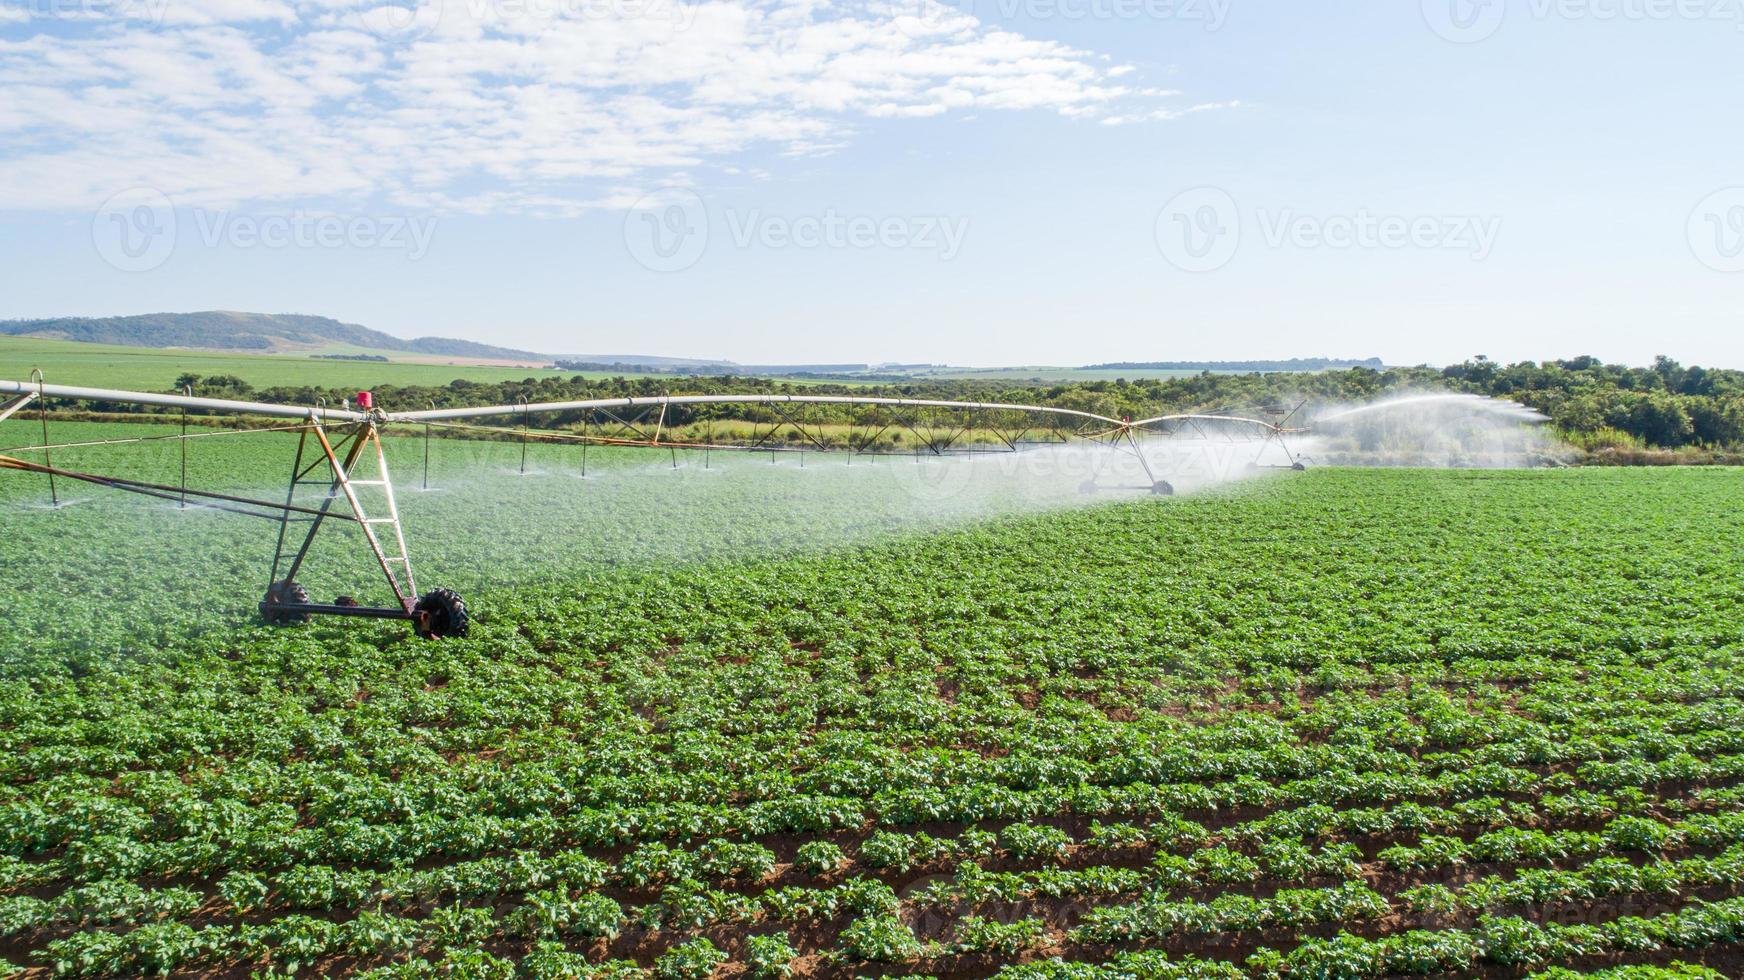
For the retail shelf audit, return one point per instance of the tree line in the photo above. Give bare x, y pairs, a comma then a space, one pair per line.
1665, 405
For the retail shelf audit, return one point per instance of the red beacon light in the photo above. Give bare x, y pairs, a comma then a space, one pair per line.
365, 400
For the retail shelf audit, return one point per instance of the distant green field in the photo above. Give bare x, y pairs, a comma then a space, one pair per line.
104, 366
143, 368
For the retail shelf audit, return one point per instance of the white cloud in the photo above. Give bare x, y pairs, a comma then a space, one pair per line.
488, 105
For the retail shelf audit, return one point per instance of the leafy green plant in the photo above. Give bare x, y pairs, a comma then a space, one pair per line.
879, 939
978, 935
770, 957
819, 857
1031, 841
694, 959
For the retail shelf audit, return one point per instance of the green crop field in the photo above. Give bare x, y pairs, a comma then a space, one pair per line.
151, 369
134, 368
758, 720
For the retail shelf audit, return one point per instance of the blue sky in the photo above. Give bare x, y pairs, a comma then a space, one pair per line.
980, 182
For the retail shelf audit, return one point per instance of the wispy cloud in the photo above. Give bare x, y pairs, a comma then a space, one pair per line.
487, 105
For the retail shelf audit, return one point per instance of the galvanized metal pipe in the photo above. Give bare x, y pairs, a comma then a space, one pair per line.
172, 401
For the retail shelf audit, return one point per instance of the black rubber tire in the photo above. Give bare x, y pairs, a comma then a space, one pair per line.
280, 592
1299, 467
444, 614
1163, 488
1088, 487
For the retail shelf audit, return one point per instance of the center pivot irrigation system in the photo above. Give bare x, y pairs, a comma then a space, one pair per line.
341, 468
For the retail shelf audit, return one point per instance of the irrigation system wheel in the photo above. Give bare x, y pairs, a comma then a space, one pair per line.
1088, 487
281, 593
440, 613
1163, 488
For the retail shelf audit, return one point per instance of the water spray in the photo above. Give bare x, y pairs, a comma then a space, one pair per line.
341, 461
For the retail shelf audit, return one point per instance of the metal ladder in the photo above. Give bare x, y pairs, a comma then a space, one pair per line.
363, 442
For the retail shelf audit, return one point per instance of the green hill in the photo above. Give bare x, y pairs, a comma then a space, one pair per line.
255, 332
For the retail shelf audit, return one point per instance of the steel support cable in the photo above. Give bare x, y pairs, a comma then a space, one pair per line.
162, 490
629, 426
584, 440
517, 433
799, 428
141, 439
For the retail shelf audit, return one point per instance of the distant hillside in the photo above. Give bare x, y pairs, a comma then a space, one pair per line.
669, 365
256, 332
1293, 364
639, 361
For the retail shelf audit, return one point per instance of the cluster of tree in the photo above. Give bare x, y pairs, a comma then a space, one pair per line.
1666, 405
723, 368
1293, 364
1116, 398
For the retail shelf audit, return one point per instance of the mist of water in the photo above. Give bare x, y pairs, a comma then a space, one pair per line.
641, 507
171, 574
1431, 430
492, 527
